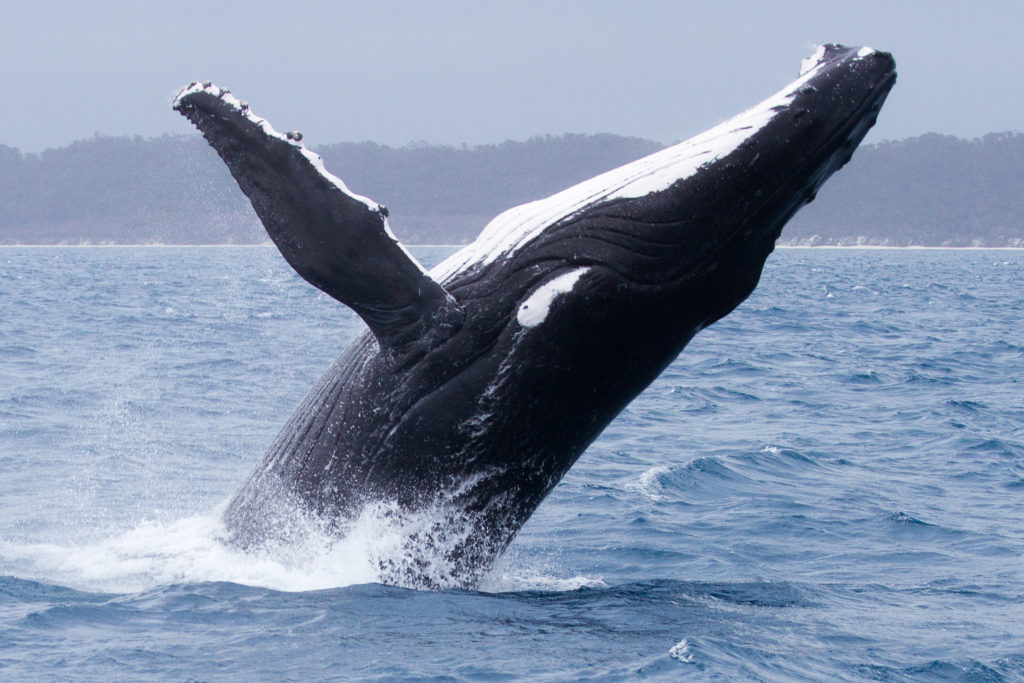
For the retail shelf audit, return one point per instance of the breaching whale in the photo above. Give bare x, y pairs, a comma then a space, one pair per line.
479, 384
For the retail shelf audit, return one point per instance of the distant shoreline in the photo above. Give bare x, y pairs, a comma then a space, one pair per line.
179, 246
930, 190
267, 245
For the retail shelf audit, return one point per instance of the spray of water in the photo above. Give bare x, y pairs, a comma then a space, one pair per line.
383, 545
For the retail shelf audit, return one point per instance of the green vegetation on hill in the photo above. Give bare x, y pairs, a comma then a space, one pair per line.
122, 190
930, 190
448, 194
933, 190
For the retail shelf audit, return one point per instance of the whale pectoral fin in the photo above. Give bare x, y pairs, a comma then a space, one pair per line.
335, 239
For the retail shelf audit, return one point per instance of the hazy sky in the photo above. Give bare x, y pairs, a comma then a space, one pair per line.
453, 72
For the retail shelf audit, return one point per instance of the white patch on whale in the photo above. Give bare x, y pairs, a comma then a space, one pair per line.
534, 310
813, 61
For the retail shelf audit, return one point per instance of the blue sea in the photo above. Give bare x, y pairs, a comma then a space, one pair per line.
828, 484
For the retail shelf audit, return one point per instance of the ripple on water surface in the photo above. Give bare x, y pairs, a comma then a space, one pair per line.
825, 485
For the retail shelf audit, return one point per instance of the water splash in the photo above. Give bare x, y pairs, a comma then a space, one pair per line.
383, 545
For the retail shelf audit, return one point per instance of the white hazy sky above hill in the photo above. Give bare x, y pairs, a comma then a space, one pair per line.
477, 72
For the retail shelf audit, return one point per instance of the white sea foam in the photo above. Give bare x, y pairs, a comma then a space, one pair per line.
379, 547
517, 579
190, 551
519, 570
649, 484
681, 652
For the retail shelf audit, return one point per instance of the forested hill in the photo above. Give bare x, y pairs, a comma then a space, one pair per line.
932, 190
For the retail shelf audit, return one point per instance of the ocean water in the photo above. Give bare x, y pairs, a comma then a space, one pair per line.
826, 485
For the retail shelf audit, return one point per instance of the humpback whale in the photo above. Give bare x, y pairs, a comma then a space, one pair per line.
477, 385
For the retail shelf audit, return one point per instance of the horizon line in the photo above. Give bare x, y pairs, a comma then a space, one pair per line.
423, 144
151, 245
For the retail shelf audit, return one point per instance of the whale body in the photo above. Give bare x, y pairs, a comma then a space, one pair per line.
478, 384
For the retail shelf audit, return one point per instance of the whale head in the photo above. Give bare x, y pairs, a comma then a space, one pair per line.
684, 231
